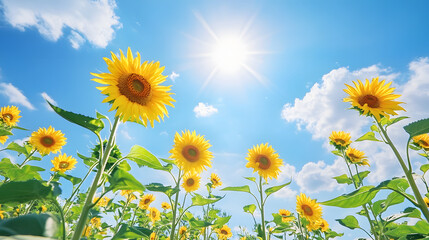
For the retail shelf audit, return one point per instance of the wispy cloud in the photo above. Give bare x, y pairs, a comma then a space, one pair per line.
51, 100
92, 20
15, 95
126, 134
204, 110
173, 76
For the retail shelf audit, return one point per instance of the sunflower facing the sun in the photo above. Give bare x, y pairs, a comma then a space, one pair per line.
146, 200
340, 139
63, 163
190, 152
215, 180
47, 140
154, 214
373, 99
191, 182
308, 208
10, 115
356, 156
224, 232
264, 160
134, 89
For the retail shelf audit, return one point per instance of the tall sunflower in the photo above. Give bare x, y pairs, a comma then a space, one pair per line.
3, 139
10, 115
146, 200
340, 139
375, 98
263, 159
356, 156
422, 141
215, 180
191, 182
190, 152
47, 140
154, 214
308, 208
63, 163
224, 232
286, 215
134, 89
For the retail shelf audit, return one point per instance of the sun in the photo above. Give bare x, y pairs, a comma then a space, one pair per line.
229, 54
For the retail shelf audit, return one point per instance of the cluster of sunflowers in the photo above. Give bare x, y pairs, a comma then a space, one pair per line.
135, 92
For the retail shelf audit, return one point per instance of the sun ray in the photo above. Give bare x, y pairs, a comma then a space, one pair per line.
258, 77
206, 26
207, 81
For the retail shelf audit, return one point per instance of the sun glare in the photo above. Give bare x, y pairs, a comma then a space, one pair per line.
229, 54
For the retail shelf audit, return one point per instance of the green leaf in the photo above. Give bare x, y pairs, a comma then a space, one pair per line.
417, 128
222, 221
343, 179
374, 128
195, 223
93, 124
127, 232
413, 212
274, 189
361, 176
368, 136
336, 152
424, 168
21, 192
421, 227
253, 179
31, 224
392, 121
158, 187
399, 184
143, 157
354, 199
89, 161
5, 132
73, 180
25, 173
199, 200
18, 148
244, 188
349, 222
395, 217
249, 208
100, 116
122, 180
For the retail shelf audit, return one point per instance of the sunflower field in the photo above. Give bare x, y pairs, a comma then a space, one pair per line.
108, 202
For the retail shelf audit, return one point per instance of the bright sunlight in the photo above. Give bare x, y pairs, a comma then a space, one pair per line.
229, 54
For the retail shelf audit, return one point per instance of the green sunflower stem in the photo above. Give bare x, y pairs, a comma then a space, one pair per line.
88, 202
408, 174
264, 237
176, 201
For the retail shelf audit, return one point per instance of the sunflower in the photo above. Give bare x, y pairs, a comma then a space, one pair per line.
215, 180
1, 213
313, 226
190, 152
422, 141
375, 98
134, 89
262, 158
102, 202
308, 208
165, 205
191, 182
340, 139
63, 163
3, 139
47, 140
43, 208
356, 156
152, 236
426, 201
323, 224
224, 232
146, 200
183, 232
128, 194
154, 214
96, 222
10, 115
286, 215
87, 231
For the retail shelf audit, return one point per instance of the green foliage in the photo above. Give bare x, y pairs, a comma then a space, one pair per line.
93, 124
368, 136
25, 149
424, 168
199, 223
349, 222
220, 221
21, 192
198, 200
15, 173
158, 187
343, 179
417, 128
143, 157
354, 199
244, 188
73, 180
122, 180
249, 208
360, 176
274, 189
32, 224
391, 121
126, 232
421, 227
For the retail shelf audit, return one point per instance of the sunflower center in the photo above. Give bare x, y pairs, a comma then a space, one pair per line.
371, 100
264, 162
352, 156
146, 201
190, 182
153, 214
284, 215
214, 181
423, 143
224, 232
191, 153
63, 165
135, 87
8, 116
340, 141
307, 210
47, 141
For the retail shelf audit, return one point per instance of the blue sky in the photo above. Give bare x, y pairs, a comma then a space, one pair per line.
299, 55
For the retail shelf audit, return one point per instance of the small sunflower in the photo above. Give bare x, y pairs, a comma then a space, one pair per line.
87, 231
356, 156
146, 200
426, 201
134, 89
323, 224
102, 202
313, 226
224, 232
152, 236
47, 140
63, 163
183, 232
43, 208
263, 159
215, 180
96, 222
286, 215
308, 208
191, 182
154, 214
340, 139
128, 194
165, 205
422, 141
3, 139
375, 98
10, 115
190, 152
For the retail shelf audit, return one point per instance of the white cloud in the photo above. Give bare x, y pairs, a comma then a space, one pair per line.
173, 76
204, 110
285, 193
15, 95
163, 133
51, 100
126, 135
93, 20
21, 141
